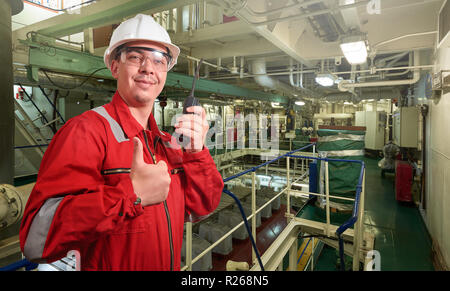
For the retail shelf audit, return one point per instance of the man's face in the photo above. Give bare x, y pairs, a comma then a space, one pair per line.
139, 85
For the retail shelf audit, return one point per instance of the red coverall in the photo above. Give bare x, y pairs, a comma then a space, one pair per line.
84, 200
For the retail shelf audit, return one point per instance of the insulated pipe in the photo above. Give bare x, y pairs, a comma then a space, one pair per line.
299, 83
262, 79
7, 9
259, 69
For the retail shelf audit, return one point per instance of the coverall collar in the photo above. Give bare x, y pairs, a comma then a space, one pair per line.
129, 124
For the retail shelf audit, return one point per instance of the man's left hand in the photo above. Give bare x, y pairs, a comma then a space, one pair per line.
193, 126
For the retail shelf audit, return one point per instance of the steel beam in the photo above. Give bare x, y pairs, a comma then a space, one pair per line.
81, 63
112, 15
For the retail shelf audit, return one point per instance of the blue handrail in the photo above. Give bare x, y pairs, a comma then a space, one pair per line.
226, 191
352, 220
20, 264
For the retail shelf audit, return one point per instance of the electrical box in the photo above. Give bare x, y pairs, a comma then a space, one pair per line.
375, 123
403, 181
406, 127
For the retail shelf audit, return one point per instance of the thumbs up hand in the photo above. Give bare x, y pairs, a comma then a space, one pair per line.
150, 182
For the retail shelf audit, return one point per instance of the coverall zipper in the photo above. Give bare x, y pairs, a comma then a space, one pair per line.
165, 208
116, 171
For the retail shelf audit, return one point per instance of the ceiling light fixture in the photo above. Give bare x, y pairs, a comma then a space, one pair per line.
299, 103
325, 80
354, 49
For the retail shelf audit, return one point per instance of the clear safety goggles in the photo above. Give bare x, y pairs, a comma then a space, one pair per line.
138, 56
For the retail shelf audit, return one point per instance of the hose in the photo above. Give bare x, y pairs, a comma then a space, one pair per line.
244, 217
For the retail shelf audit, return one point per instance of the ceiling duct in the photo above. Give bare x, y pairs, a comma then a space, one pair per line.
262, 79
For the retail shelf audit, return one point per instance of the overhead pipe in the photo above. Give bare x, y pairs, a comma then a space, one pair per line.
284, 73
306, 15
375, 47
386, 69
347, 85
281, 9
394, 58
299, 83
262, 79
365, 94
218, 66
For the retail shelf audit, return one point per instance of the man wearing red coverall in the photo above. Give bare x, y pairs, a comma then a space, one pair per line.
111, 185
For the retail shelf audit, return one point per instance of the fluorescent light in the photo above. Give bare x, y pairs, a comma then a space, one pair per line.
276, 105
348, 103
355, 52
326, 80
299, 103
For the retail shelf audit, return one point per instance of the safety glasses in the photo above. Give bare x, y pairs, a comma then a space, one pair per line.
138, 56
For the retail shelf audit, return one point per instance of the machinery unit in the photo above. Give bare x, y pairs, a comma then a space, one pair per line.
231, 219
198, 246
375, 123
212, 232
406, 127
247, 206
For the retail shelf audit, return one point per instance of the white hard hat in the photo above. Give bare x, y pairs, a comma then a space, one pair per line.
140, 27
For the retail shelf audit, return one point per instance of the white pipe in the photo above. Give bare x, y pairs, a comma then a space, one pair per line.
242, 68
282, 9
346, 85
403, 36
299, 73
384, 76
218, 66
267, 74
387, 69
306, 15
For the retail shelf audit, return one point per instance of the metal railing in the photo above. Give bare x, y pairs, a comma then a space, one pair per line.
357, 213
358, 210
252, 234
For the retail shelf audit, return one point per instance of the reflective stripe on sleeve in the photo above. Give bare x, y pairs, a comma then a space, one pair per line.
37, 235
